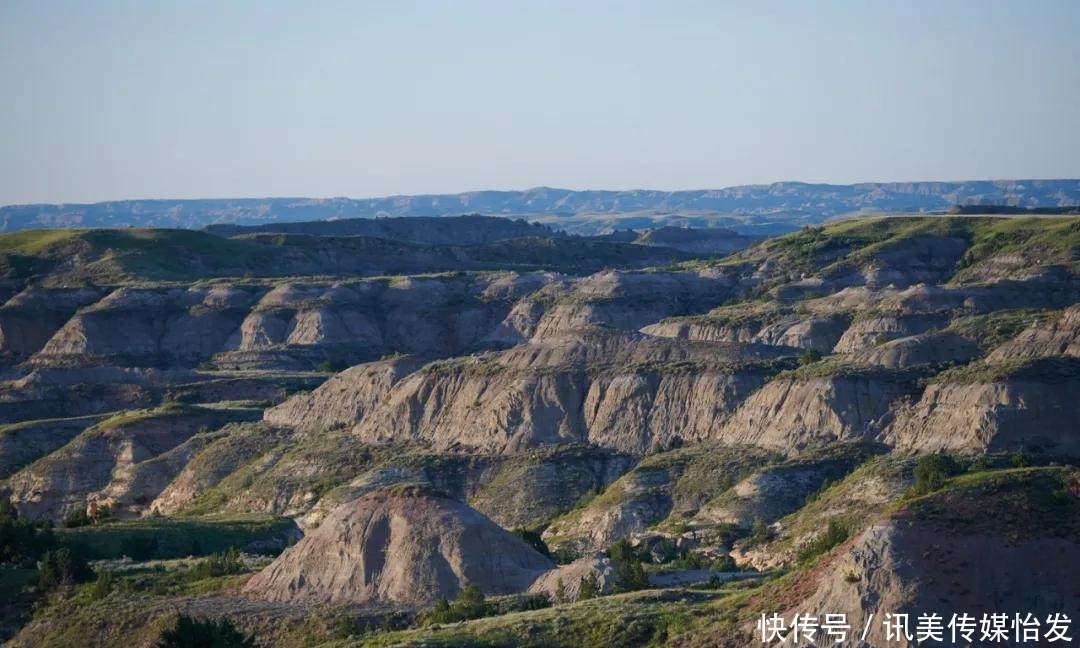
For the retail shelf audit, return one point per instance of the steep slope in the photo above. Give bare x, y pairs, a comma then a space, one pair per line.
995, 407
344, 399
943, 554
818, 405
401, 546
587, 387
108, 462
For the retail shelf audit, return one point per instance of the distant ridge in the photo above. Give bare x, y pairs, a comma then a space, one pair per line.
754, 209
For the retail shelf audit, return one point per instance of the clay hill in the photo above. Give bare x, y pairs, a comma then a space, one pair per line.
402, 546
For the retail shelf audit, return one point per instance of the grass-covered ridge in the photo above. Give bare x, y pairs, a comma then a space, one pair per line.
857, 243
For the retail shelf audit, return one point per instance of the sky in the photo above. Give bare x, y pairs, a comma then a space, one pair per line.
118, 99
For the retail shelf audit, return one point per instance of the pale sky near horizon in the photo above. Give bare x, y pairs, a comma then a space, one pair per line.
130, 99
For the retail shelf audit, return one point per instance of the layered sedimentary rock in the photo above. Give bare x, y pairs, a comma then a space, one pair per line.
618, 391
793, 413
344, 399
123, 462
1030, 410
948, 555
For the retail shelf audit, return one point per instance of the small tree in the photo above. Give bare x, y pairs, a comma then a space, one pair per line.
192, 633
103, 585
471, 602
630, 576
932, 471
62, 568
589, 587
560, 592
810, 356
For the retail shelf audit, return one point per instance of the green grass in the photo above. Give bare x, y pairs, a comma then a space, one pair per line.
1050, 370
176, 538
36, 242
858, 242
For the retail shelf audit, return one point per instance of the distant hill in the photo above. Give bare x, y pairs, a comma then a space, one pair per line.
456, 230
751, 209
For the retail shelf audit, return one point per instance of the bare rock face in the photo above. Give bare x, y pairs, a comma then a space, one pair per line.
1046, 337
570, 390
868, 332
148, 326
791, 414
22, 443
30, 318
123, 462
569, 577
344, 399
1015, 414
920, 560
916, 350
400, 546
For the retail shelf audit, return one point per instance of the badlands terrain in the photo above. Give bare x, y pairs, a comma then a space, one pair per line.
472, 431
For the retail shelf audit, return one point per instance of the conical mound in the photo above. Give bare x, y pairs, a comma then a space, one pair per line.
403, 545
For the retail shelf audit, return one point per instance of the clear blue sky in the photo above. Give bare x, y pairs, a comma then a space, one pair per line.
108, 100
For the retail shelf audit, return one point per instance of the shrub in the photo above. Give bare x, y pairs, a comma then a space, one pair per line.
222, 564
810, 356
932, 471
61, 568
834, 534
589, 587
533, 539
22, 542
760, 532
629, 576
332, 365
103, 585
192, 633
75, 519
469, 604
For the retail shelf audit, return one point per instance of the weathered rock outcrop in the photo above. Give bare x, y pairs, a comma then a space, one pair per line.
22, 443
947, 555
30, 318
149, 326
400, 546
1048, 336
868, 332
796, 412
918, 350
675, 483
1030, 410
344, 399
122, 461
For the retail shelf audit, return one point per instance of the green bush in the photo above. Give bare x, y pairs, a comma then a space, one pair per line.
469, 604
61, 568
75, 519
533, 539
222, 564
589, 587
103, 585
810, 356
629, 576
332, 365
932, 471
834, 534
22, 542
192, 633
